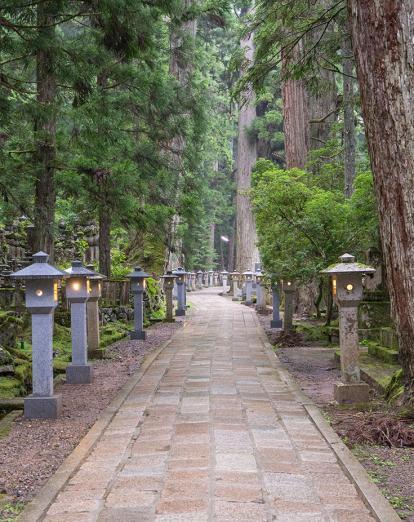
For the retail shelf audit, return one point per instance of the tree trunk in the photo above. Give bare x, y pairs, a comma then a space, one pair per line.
45, 132
181, 68
349, 116
231, 249
246, 236
295, 115
211, 245
382, 35
104, 240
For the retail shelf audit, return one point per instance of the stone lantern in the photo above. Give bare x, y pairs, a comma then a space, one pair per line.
199, 280
92, 312
41, 281
180, 274
193, 281
169, 281
137, 278
224, 276
234, 288
215, 278
260, 291
188, 282
248, 281
289, 289
276, 321
77, 293
347, 291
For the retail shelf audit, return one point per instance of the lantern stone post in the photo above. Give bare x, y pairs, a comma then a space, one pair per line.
137, 278
289, 289
77, 293
260, 292
276, 321
92, 311
41, 300
248, 282
347, 291
169, 279
180, 274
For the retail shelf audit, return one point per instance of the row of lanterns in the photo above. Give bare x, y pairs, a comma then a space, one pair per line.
83, 289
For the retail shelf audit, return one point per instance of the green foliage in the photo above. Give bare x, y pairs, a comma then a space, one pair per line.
303, 228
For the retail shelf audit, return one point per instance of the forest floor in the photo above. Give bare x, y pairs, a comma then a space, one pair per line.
28, 457
390, 466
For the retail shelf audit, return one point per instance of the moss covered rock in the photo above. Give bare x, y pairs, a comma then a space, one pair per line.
10, 387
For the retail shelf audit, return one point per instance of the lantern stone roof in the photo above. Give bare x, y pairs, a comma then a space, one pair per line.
138, 272
39, 269
78, 270
224, 272
97, 276
248, 272
179, 271
349, 266
170, 274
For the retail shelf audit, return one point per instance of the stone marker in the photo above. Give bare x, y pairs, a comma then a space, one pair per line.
169, 279
180, 274
77, 293
260, 292
289, 289
92, 311
248, 283
193, 281
276, 321
137, 278
347, 290
41, 300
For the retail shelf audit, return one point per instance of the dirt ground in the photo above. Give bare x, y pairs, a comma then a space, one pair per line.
34, 449
389, 466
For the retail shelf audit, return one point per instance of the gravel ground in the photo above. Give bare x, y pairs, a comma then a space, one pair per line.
34, 449
392, 469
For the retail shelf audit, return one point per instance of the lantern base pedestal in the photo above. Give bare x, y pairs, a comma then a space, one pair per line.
179, 313
138, 336
276, 324
79, 374
351, 393
42, 407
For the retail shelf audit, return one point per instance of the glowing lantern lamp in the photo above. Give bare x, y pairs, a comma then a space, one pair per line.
78, 288
137, 278
41, 300
347, 290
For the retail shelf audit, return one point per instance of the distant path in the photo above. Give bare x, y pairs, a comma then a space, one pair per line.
211, 432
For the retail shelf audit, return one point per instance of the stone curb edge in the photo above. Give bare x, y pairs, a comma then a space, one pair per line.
379, 506
37, 507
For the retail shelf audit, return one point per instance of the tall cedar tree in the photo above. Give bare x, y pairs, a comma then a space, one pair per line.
382, 35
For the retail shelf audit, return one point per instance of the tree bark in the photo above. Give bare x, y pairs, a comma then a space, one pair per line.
211, 245
246, 237
104, 241
45, 132
349, 116
181, 68
295, 115
382, 35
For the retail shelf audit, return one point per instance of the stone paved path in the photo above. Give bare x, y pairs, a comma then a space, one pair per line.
211, 432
